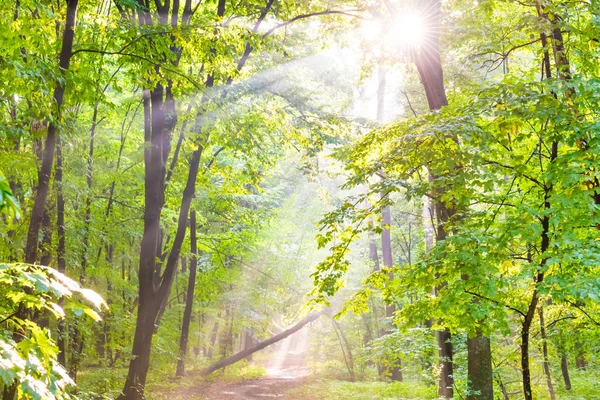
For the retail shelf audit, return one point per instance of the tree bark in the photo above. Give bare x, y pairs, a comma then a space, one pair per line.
260, 345
395, 367
545, 354
445, 386
538, 278
580, 362
187, 313
479, 366
248, 343
213, 338
159, 121
564, 367
60, 251
429, 66
45, 170
152, 293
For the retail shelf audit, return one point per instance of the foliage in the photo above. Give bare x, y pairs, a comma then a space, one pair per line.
29, 353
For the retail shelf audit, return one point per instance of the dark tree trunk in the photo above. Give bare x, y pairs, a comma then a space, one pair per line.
46, 245
88, 200
480, 373
45, 171
213, 338
151, 293
395, 367
226, 341
60, 253
538, 278
78, 334
564, 367
260, 345
580, 362
502, 388
525, 370
545, 354
445, 387
159, 121
248, 343
187, 313
427, 58
373, 254
429, 65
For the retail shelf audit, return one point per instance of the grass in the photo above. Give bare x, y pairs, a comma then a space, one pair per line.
97, 383
343, 390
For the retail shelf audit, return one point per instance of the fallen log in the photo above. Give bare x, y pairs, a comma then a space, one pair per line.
260, 345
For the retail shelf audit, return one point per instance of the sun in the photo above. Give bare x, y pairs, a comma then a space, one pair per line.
406, 29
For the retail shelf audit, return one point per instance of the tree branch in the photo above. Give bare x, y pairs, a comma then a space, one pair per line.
304, 16
496, 302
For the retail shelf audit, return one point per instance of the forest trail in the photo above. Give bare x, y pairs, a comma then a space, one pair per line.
280, 379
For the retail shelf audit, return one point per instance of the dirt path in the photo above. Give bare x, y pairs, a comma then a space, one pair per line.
263, 388
273, 386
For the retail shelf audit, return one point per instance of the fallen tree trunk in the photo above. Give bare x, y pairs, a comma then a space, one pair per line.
260, 345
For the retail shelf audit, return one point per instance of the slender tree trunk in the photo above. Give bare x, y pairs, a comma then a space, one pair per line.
187, 313
213, 338
525, 370
88, 200
226, 337
248, 343
528, 317
78, 338
395, 367
60, 227
545, 353
349, 360
580, 362
46, 245
45, 171
502, 388
564, 367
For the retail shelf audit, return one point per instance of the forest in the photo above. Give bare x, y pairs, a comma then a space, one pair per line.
296, 199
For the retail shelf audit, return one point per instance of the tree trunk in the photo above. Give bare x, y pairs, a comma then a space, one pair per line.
525, 371
151, 293
248, 343
88, 200
160, 118
545, 353
187, 313
45, 171
60, 227
46, 245
480, 372
445, 386
213, 338
349, 360
260, 345
528, 317
565, 371
580, 362
224, 339
395, 367
429, 66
